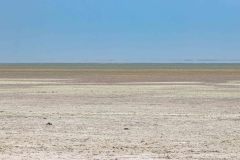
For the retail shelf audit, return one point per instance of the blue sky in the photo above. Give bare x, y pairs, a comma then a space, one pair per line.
119, 30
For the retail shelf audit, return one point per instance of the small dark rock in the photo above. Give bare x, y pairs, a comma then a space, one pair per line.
49, 124
126, 128
44, 118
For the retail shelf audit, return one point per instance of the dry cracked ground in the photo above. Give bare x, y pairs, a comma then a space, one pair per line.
56, 119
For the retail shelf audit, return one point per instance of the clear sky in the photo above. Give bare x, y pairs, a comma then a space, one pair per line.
119, 30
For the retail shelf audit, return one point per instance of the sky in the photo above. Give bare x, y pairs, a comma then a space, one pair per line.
132, 31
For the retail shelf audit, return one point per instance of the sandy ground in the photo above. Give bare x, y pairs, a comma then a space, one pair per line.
49, 118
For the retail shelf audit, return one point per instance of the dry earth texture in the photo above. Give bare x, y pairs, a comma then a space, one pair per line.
106, 114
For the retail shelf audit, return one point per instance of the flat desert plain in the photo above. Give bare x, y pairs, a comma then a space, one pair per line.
58, 114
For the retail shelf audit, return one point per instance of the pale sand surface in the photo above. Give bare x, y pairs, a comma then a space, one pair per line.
118, 116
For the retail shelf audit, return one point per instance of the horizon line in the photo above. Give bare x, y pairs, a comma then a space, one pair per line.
206, 62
